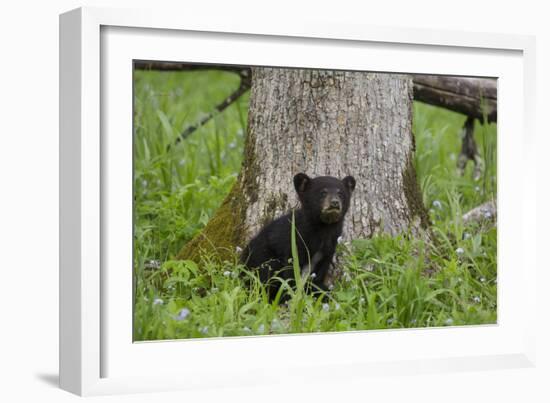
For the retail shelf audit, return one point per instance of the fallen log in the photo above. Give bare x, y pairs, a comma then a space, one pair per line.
487, 212
474, 97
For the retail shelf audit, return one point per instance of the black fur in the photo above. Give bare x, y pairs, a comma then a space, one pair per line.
324, 203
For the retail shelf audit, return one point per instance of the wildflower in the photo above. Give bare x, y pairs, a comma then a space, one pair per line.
477, 189
482, 279
184, 313
326, 307
181, 162
261, 328
227, 273
289, 260
331, 287
449, 322
437, 204
476, 299
467, 235
313, 275
238, 249
362, 300
347, 277
232, 145
340, 239
390, 321
487, 214
152, 264
144, 183
246, 329
214, 290
413, 322
459, 251
158, 301
203, 329
337, 306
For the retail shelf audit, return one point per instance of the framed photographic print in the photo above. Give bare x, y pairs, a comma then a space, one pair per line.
246, 200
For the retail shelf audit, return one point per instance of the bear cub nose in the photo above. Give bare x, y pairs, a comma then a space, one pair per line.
335, 203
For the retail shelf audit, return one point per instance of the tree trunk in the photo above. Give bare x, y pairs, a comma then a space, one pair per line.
323, 123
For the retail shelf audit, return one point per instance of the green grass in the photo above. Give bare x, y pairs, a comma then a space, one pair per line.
387, 282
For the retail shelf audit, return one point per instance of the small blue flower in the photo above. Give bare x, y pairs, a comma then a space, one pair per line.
184, 313
326, 307
203, 329
227, 273
459, 251
261, 328
437, 204
158, 301
449, 322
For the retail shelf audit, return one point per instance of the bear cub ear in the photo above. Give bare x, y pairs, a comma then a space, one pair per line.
349, 182
301, 182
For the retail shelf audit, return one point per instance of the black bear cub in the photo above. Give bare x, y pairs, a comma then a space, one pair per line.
324, 202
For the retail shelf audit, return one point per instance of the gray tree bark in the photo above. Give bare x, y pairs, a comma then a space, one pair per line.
324, 123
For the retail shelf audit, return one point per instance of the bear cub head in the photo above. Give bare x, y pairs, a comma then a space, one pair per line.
325, 198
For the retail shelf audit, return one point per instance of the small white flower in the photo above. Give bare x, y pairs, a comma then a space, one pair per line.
326, 307
261, 328
467, 235
313, 275
152, 264
184, 313
337, 306
203, 329
476, 299
340, 239
487, 214
234, 274
413, 321
227, 273
347, 277
289, 260
246, 329
477, 189
232, 145
144, 183
390, 321
331, 287
362, 300
158, 301
437, 204
449, 322
459, 251
214, 290
181, 162
238, 249
482, 279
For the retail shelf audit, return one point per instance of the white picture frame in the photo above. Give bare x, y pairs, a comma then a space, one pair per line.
97, 355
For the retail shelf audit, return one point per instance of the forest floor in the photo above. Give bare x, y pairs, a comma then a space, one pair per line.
386, 282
